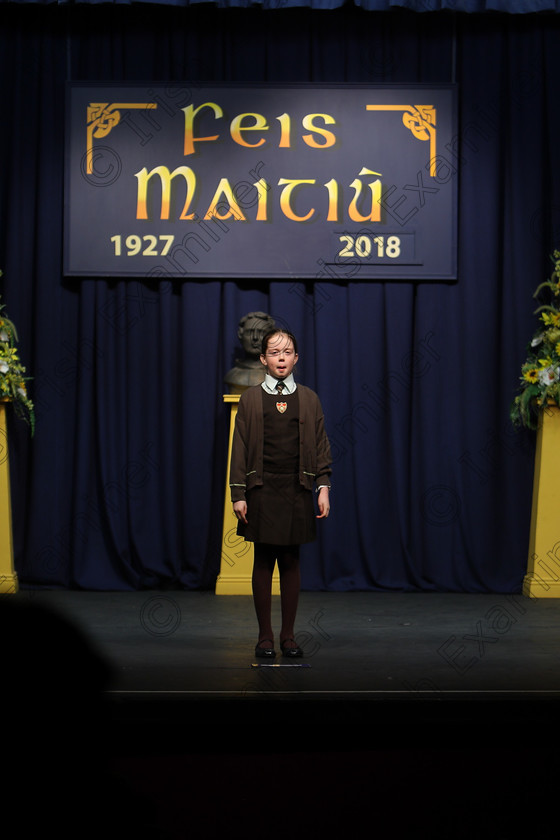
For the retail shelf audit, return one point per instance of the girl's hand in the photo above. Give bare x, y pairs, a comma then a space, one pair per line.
323, 503
240, 511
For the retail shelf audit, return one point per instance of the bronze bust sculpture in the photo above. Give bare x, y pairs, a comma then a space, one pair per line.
249, 370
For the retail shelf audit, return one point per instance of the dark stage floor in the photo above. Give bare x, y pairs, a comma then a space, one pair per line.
414, 657
412, 715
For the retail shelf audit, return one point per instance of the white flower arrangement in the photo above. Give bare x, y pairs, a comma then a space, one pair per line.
540, 373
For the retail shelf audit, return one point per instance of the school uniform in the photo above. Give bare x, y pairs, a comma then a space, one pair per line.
280, 453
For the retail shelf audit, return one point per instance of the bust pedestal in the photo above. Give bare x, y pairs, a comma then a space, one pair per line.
236, 566
8, 577
543, 569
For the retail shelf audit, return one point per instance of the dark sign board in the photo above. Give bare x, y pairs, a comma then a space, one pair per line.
222, 181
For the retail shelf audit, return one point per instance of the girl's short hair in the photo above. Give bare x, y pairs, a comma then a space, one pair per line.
277, 331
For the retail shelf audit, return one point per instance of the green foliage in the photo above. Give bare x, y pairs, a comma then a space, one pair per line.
13, 380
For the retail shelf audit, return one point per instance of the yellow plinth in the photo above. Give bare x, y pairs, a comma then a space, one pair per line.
8, 577
236, 567
543, 569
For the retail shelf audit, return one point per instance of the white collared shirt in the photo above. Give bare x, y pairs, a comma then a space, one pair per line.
270, 382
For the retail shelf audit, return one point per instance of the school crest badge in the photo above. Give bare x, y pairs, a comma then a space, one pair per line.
281, 406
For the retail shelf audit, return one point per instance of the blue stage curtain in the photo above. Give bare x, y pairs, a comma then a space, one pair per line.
514, 7
123, 485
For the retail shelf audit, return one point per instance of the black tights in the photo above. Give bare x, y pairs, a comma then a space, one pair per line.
290, 580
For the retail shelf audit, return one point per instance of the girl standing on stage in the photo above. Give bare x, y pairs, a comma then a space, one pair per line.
280, 451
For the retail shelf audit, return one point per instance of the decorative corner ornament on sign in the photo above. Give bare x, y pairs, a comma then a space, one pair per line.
102, 118
421, 121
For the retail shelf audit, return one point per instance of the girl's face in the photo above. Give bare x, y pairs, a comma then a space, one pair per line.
280, 358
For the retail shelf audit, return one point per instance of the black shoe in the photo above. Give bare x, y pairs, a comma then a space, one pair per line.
265, 652
290, 652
